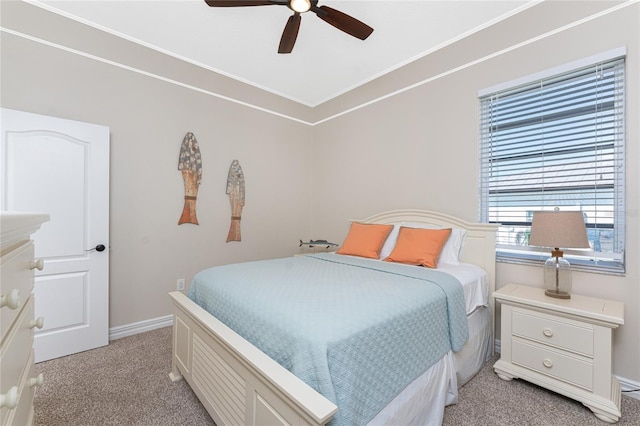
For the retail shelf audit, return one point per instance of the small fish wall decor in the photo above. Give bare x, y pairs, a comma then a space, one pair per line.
190, 164
235, 190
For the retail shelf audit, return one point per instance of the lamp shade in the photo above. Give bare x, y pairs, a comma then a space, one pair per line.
558, 229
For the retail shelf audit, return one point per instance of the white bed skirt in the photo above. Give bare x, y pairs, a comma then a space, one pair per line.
478, 349
423, 401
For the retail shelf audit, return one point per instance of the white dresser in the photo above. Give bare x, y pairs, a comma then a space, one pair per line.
18, 383
561, 344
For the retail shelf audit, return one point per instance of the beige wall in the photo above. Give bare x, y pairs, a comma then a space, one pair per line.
148, 119
415, 149
419, 148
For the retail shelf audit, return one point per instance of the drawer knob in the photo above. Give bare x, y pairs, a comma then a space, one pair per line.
11, 300
547, 332
37, 264
38, 322
547, 363
36, 381
10, 399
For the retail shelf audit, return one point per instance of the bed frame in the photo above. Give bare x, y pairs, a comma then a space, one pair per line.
239, 385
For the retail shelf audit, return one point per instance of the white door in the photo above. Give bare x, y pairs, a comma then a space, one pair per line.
61, 167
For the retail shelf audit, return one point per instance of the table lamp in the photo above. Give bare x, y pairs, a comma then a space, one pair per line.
557, 229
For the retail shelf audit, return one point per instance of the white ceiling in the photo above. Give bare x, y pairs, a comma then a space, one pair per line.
242, 42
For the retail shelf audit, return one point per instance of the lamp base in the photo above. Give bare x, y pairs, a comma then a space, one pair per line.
558, 294
557, 276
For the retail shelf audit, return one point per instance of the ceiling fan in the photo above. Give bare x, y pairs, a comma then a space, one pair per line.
338, 19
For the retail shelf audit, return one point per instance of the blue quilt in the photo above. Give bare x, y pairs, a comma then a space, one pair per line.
357, 331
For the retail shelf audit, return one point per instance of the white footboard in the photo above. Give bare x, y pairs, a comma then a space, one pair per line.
236, 382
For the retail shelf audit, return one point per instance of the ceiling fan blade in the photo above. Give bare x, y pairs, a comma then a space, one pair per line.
343, 22
240, 3
290, 33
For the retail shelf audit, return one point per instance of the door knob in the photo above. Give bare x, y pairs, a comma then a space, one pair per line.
99, 247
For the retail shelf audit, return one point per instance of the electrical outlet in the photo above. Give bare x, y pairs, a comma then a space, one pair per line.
180, 284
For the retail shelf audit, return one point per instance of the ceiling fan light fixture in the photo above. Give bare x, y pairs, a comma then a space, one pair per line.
340, 20
300, 6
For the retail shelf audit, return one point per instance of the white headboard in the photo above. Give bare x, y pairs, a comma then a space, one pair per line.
479, 247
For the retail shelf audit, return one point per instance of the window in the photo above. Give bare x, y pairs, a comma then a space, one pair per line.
554, 142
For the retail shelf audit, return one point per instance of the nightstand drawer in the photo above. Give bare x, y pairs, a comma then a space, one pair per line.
564, 334
552, 363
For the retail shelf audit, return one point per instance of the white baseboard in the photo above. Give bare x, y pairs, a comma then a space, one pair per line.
625, 384
629, 385
140, 327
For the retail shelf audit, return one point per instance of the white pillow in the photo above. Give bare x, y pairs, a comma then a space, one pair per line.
452, 248
390, 242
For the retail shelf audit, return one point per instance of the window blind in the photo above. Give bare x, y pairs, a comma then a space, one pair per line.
557, 142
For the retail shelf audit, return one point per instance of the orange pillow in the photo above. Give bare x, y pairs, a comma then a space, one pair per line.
365, 239
419, 246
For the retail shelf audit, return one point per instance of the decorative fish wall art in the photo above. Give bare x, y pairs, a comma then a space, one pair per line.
190, 163
235, 191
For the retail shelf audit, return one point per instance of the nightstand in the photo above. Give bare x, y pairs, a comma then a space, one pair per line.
561, 345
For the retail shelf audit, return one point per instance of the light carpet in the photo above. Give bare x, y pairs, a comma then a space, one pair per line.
127, 383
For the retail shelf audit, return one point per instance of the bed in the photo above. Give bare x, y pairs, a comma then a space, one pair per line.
241, 384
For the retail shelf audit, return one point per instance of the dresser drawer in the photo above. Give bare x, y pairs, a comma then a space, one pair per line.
16, 351
23, 414
16, 274
552, 363
564, 334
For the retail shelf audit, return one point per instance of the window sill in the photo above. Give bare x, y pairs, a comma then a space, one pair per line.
603, 267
